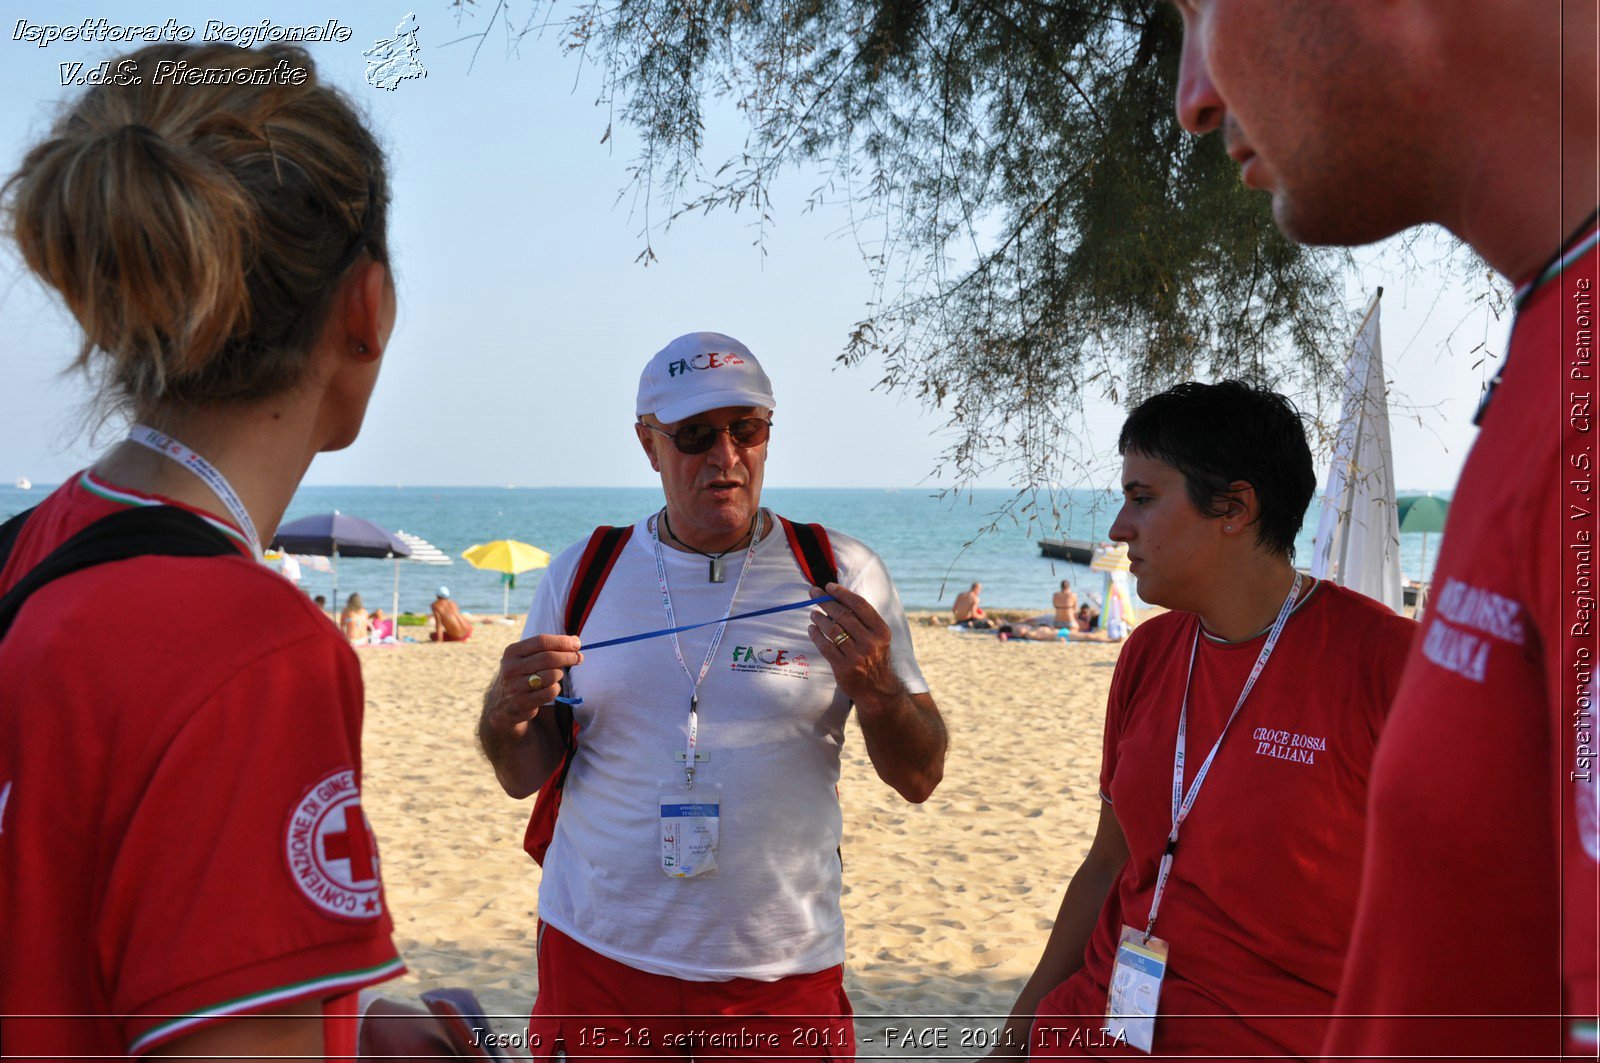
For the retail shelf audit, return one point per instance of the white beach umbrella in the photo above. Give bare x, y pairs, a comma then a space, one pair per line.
1358, 535
423, 553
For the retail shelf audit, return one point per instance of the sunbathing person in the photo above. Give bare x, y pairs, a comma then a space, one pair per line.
1065, 604
354, 622
449, 625
967, 610
1031, 630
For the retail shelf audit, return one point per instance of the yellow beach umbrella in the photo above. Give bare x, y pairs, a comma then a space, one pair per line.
509, 557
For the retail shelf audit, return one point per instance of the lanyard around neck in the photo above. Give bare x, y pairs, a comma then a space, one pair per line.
162, 443
716, 639
1182, 802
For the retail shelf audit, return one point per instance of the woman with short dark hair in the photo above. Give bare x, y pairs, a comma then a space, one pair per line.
1221, 882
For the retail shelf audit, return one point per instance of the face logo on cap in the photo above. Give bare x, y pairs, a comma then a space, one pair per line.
332, 855
702, 361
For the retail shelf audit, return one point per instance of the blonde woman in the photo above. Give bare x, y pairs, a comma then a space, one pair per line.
184, 864
354, 621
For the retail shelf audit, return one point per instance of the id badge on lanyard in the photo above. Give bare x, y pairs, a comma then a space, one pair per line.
1141, 964
1135, 990
690, 822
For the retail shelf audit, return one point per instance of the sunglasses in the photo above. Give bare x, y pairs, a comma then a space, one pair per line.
746, 432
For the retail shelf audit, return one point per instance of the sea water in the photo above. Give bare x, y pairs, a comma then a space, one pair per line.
935, 546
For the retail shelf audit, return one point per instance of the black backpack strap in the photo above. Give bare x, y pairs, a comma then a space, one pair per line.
9, 532
812, 552
599, 557
605, 545
160, 530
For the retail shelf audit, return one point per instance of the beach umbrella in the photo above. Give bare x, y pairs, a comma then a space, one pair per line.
423, 553
334, 535
1358, 536
1117, 608
1425, 514
508, 557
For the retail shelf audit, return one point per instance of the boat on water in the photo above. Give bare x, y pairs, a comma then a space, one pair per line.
1078, 551
24, 484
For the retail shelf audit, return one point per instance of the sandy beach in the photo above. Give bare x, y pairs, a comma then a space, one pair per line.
947, 903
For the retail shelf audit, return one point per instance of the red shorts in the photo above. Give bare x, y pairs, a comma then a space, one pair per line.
598, 1008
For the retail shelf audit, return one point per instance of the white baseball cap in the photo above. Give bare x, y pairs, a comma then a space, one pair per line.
698, 372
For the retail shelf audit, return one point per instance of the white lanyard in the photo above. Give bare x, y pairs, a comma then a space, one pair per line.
716, 639
165, 444
1181, 802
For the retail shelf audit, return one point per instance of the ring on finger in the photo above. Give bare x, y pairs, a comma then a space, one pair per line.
841, 637
535, 681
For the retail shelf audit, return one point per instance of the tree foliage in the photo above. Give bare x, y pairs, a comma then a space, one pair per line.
1038, 225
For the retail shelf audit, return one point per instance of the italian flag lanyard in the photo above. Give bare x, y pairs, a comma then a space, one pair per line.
162, 443
1182, 802
1580, 243
711, 651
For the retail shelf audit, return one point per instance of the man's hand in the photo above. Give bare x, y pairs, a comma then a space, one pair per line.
905, 735
530, 674
524, 754
850, 634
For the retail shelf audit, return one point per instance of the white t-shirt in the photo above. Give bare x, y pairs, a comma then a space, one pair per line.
771, 722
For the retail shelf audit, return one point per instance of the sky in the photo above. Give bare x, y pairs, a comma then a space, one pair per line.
525, 317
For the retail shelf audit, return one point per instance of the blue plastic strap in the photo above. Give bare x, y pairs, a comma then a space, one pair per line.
706, 623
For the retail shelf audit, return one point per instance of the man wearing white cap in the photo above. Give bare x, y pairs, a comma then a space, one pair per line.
691, 882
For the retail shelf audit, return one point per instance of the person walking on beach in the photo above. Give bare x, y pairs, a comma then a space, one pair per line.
1214, 906
1477, 923
694, 869
448, 623
185, 866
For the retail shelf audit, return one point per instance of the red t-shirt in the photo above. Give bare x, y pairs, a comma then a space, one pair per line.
1476, 814
1263, 886
180, 825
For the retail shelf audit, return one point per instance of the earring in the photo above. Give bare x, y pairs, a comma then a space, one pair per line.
1228, 527
361, 348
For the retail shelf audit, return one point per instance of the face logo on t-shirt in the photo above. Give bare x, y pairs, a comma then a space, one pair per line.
771, 660
332, 855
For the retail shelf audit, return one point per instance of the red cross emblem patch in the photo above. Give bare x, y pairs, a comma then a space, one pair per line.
332, 855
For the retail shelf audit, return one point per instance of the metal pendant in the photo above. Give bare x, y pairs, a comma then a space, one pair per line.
717, 575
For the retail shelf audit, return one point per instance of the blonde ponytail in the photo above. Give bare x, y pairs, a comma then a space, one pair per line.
198, 232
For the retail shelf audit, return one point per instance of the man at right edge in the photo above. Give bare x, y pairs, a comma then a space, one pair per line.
1475, 934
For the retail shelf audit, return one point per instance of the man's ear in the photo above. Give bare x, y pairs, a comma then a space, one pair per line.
647, 440
365, 310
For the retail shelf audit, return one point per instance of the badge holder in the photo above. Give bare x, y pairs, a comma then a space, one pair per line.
690, 819
1135, 991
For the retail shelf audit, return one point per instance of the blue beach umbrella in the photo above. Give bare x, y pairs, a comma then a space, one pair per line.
334, 535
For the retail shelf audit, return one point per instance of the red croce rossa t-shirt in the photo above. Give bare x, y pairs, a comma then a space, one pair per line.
1477, 918
1258, 907
181, 834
